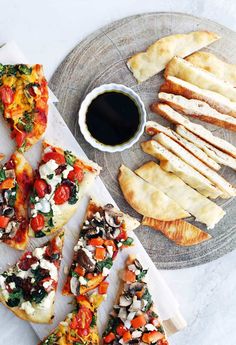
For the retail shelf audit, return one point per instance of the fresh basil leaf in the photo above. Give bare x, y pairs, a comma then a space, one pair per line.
2, 175
128, 241
38, 295
141, 275
2, 69
50, 176
94, 321
50, 222
112, 325
24, 69
51, 340
26, 122
15, 297
39, 234
105, 263
70, 158
12, 196
74, 195
148, 298
74, 274
11, 69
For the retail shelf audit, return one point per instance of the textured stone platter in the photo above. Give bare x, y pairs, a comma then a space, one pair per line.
101, 58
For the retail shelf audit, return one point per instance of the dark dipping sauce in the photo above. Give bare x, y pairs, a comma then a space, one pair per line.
113, 118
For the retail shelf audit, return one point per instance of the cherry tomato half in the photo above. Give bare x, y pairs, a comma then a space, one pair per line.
41, 187
82, 319
37, 223
19, 137
58, 157
62, 194
6, 94
4, 221
76, 175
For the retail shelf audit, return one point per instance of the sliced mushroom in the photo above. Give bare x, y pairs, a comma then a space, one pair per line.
1, 199
112, 218
12, 228
74, 285
8, 212
93, 232
84, 261
125, 301
138, 265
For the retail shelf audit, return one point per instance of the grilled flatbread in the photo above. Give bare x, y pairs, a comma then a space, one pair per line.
153, 127
172, 163
146, 64
227, 189
199, 110
219, 156
203, 209
214, 65
146, 199
188, 90
179, 231
183, 69
173, 116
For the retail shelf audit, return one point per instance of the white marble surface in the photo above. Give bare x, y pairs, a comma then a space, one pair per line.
47, 30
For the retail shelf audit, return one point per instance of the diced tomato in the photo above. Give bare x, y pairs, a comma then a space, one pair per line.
102, 288
8, 183
76, 175
138, 321
19, 137
128, 276
37, 223
26, 261
4, 221
121, 330
41, 187
100, 253
123, 235
80, 270
89, 276
98, 241
152, 337
127, 336
82, 319
56, 156
109, 337
6, 94
62, 194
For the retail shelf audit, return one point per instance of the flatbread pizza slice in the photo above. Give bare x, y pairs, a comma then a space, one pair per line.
16, 180
79, 327
134, 318
28, 288
103, 234
61, 181
147, 199
24, 102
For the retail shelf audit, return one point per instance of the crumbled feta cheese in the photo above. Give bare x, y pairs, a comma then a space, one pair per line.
127, 324
27, 307
136, 305
82, 281
29, 256
47, 301
47, 149
34, 266
131, 315
137, 272
110, 250
12, 285
43, 205
65, 172
51, 267
136, 334
48, 168
47, 284
119, 244
122, 314
132, 268
105, 271
32, 280
150, 327
56, 210
36, 198
39, 252
86, 222
23, 274
121, 341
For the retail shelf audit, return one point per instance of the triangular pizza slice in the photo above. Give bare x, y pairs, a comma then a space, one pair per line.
79, 327
16, 179
134, 319
28, 288
103, 234
60, 182
24, 102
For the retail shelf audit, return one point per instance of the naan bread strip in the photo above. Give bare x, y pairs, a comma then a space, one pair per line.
199, 110
188, 90
219, 156
173, 116
146, 199
184, 70
146, 64
179, 231
214, 65
203, 209
153, 127
171, 163
227, 189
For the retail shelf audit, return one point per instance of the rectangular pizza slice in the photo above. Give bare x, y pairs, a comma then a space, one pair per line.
24, 102
104, 233
134, 318
16, 180
60, 182
28, 288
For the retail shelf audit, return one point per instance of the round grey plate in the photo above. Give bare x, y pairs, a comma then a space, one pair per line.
101, 58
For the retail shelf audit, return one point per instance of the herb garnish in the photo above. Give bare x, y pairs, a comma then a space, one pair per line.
70, 158
105, 263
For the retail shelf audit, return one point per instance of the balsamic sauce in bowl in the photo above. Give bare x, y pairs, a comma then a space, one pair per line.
112, 117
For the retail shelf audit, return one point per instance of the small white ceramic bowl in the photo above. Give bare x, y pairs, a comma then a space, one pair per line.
84, 108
